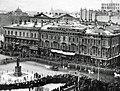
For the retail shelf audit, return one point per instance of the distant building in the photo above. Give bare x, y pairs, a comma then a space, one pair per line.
110, 6
18, 12
87, 15
12, 17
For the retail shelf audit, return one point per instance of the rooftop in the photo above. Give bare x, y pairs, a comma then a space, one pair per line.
28, 25
65, 26
55, 15
75, 26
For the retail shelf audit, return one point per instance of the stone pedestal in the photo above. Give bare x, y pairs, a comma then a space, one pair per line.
18, 71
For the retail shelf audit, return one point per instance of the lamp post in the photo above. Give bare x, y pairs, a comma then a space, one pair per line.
100, 59
98, 71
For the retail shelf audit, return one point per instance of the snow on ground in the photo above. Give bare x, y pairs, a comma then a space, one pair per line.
4, 57
31, 67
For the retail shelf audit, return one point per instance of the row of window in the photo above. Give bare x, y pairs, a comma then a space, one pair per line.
56, 45
63, 29
21, 41
52, 37
56, 37
24, 34
108, 7
93, 51
86, 41
114, 4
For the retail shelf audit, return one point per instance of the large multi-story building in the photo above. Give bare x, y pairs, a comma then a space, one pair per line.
66, 39
110, 6
71, 40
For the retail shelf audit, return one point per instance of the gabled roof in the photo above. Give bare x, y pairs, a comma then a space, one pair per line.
67, 15
42, 16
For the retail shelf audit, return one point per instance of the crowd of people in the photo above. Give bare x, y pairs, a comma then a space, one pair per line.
80, 83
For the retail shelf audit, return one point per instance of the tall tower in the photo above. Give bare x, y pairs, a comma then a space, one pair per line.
85, 14
81, 19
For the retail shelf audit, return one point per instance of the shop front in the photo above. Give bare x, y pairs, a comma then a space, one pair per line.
33, 51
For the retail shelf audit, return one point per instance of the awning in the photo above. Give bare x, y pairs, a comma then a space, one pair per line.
62, 52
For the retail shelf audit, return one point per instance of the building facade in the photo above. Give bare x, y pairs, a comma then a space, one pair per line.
22, 37
67, 41
110, 6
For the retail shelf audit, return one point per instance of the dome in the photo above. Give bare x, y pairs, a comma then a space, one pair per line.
18, 10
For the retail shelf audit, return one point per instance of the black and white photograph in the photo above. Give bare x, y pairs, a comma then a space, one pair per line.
59, 45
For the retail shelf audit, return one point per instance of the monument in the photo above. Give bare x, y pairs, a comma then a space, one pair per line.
17, 69
17, 75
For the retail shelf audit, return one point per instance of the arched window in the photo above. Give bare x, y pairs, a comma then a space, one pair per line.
64, 46
27, 35
11, 32
34, 35
20, 34
24, 34
63, 38
8, 32
5, 31
47, 43
16, 33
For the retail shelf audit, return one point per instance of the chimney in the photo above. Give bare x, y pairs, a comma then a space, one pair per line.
35, 22
20, 21
38, 13
41, 23
29, 20
25, 22
12, 22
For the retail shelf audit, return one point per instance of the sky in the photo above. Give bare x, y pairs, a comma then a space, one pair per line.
45, 5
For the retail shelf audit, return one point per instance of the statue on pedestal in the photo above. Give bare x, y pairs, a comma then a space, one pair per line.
18, 62
17, 68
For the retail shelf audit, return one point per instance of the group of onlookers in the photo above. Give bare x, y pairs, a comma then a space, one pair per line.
80, 83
